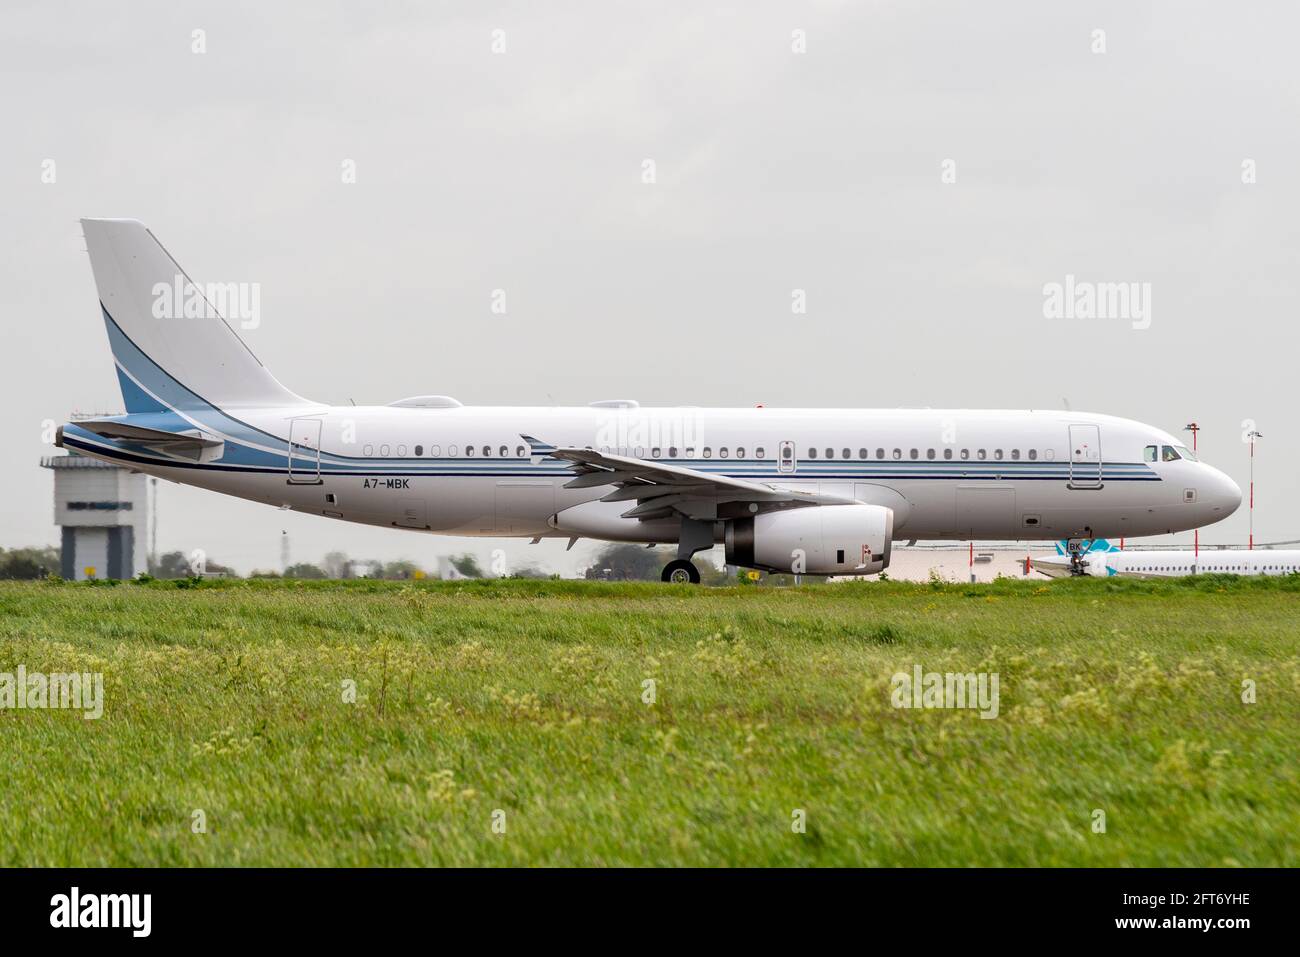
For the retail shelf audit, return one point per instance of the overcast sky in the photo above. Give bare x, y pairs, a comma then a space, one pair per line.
775, 170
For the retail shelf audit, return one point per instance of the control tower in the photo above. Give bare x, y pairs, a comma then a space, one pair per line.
104, 512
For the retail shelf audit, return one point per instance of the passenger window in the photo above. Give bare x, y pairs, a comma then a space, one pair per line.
898, 453
965, 454
487, 450
740, 452
451, 450
469, 450
401, 450
690, 452
383, 450
722, 452
845, 454
1033, 454
929, 453
981, 454
880, 453
419, 450
947, 453
862, 453
759, 452
997, 454
812, 453
1015, 455
830, 453
503, 451
672, 451
708, 452
435, 450
519, 451
915, 454
368, 450
654, 453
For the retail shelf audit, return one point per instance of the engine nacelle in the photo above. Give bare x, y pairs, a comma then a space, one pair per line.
816, 540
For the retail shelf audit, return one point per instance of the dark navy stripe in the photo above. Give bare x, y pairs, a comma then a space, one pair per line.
116, 453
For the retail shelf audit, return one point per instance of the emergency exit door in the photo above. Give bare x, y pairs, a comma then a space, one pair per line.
786, 461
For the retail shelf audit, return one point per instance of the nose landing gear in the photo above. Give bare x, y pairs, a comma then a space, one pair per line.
1077, 548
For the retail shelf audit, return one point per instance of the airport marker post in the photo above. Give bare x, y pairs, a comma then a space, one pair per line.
1196, 533
1252, 435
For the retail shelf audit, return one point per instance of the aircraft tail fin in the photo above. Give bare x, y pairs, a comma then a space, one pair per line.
171, 341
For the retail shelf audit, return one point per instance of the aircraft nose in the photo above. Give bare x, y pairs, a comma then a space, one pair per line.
1225, 494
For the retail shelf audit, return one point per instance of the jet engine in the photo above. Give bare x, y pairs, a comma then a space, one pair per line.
816, 540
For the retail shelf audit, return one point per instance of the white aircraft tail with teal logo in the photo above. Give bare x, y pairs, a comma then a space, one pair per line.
1089, 547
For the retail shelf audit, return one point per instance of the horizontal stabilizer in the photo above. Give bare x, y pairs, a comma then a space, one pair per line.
193, 444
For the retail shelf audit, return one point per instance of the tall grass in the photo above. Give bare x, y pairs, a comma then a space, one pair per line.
525, 704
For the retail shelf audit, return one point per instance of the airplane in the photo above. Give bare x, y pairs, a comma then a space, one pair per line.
811, 491
1102, 559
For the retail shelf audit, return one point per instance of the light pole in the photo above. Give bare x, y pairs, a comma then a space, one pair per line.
1252, 435
1193, 428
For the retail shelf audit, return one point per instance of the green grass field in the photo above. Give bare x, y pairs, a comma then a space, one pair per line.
527, 698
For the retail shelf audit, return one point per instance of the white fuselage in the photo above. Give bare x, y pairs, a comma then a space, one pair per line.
461, 470
1171, 563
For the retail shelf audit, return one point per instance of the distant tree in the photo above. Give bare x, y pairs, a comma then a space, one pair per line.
304, 570
216, 568
711, 574
177, 565
400, 570
29, 563
529, 571
622, 562
264, 573
338, 565
368, 568
467, 565
171, 565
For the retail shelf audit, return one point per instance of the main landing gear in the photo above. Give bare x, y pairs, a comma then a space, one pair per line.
681, 572
695, 536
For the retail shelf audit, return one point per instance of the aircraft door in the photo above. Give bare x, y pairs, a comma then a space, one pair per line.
1085, 456
304, 451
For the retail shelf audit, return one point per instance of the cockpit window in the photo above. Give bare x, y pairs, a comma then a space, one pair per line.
1185, 452
1169, 454
1149, 453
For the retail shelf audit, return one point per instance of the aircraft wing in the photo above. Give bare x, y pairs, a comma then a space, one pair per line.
658, 489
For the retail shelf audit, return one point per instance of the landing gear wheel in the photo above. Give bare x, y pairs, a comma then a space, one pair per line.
680, 572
